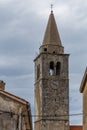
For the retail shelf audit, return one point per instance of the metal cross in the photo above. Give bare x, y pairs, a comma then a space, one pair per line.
51, 7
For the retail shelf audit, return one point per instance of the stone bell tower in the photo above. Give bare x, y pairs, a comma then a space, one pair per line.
51, 82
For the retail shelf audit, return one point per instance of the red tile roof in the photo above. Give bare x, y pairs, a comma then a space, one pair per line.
76, 127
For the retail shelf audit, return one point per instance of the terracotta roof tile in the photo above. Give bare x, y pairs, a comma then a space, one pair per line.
76, 127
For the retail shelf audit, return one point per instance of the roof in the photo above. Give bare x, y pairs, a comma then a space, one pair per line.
18, 99
75, 127
84, 80
51, 34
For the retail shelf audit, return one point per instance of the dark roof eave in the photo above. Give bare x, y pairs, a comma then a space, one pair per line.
84, 80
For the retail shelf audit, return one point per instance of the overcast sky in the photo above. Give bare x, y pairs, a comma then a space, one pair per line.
22, 27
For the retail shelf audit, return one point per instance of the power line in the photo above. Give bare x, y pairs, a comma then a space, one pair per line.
76, 114
56, 115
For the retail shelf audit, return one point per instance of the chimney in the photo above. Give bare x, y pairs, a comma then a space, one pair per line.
2, 85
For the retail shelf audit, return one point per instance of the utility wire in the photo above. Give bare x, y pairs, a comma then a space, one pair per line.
76, 114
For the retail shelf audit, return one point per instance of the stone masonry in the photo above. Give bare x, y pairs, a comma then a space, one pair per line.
51, 82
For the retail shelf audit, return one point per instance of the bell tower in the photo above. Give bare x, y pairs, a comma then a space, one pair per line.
51, 82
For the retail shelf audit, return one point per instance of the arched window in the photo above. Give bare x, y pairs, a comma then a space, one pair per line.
58, 67
38, 71
51, 68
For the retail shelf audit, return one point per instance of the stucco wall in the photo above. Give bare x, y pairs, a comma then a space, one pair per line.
9, 113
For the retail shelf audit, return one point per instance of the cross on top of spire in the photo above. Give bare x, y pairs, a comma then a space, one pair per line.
51, 8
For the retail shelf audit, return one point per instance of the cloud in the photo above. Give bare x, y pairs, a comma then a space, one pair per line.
22, 27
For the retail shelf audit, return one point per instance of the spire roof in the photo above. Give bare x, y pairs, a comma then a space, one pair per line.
51, 34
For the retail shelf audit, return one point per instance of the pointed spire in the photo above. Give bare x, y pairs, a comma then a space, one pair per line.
51, 42
51, 34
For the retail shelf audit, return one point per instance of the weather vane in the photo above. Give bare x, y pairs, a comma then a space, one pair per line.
51, 7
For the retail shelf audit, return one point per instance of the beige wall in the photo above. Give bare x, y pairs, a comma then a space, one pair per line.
10, 114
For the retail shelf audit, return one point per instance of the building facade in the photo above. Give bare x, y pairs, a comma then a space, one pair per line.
83, 90
51, 82
15, 112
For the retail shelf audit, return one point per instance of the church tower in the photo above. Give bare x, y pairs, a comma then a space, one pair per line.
51, 82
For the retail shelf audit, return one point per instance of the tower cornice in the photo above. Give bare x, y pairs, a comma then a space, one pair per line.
48, 54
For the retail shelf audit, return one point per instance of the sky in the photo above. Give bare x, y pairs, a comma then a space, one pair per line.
22, 27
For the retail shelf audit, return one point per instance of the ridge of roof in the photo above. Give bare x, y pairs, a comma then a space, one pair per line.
14, 97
